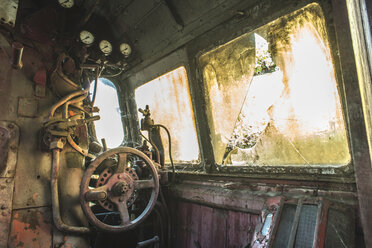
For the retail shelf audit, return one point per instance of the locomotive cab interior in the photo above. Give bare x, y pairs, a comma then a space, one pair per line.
188, 124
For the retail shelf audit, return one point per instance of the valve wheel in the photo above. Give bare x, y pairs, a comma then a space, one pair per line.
118, 188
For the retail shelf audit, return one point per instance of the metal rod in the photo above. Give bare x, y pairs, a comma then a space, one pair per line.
17, 51
169, 149
103, 140
64, 100
95, 86
148, 242
89, 13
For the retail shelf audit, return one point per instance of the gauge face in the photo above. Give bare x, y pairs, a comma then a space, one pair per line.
66, 3
86, 37
125, 49
105, 47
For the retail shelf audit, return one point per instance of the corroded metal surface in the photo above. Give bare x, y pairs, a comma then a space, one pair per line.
9, 138
104, 178
121, 201
4, 147
27, 107
31, 228
6, 196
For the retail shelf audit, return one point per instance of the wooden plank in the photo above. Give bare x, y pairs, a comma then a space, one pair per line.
206, 221
218, 229
240, 228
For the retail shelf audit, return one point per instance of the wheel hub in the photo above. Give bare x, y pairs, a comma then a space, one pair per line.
120, 188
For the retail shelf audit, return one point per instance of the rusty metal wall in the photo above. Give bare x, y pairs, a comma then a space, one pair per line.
200, 226
25, 214
27, 206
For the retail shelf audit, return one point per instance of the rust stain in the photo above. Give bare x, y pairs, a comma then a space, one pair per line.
31, 228
35, 195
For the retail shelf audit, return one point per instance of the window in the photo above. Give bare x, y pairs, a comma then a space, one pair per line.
169, 100
272, 95
110, 125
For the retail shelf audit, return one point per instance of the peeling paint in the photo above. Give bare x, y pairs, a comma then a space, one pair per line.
31, 228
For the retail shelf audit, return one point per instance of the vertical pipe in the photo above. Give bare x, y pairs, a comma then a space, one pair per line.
58, 222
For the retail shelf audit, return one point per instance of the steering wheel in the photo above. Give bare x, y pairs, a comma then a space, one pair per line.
118, 187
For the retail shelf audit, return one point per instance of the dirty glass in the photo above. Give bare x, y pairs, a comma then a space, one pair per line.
170, 104
286, 110
110, 126
227, 72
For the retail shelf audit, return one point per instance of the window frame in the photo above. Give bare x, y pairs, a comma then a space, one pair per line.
167, 64
234, 29
92, 126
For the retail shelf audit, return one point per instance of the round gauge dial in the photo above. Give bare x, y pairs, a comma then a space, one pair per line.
66, 3
105, 47
125, 49
86, 37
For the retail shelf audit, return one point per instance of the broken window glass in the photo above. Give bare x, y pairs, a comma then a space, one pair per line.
169, 100
110, 126
277, 105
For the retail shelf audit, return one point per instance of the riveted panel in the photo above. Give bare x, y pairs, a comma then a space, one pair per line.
6, 196
9, 138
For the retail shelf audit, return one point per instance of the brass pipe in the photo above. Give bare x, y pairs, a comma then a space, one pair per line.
73, 101
64, 100
16, 59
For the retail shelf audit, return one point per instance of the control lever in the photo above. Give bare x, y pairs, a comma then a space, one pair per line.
146, 243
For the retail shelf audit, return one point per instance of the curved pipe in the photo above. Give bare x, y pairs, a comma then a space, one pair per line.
73, 101
58, 222
64, 100
169, 148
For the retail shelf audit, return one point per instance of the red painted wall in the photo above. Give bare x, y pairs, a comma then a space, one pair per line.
203, 227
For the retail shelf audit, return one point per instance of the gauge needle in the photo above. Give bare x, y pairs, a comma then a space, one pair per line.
86, 38
65, 1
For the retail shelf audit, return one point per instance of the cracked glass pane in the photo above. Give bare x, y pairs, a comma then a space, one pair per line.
287, 110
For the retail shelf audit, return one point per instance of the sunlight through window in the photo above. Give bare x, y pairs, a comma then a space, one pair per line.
170, 103
290, 110
110, 125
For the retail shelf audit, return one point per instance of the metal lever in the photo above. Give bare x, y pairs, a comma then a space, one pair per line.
146, 243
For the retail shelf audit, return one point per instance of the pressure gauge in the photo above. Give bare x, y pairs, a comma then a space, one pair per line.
105, 47
125, 49
66, 3
86, 37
